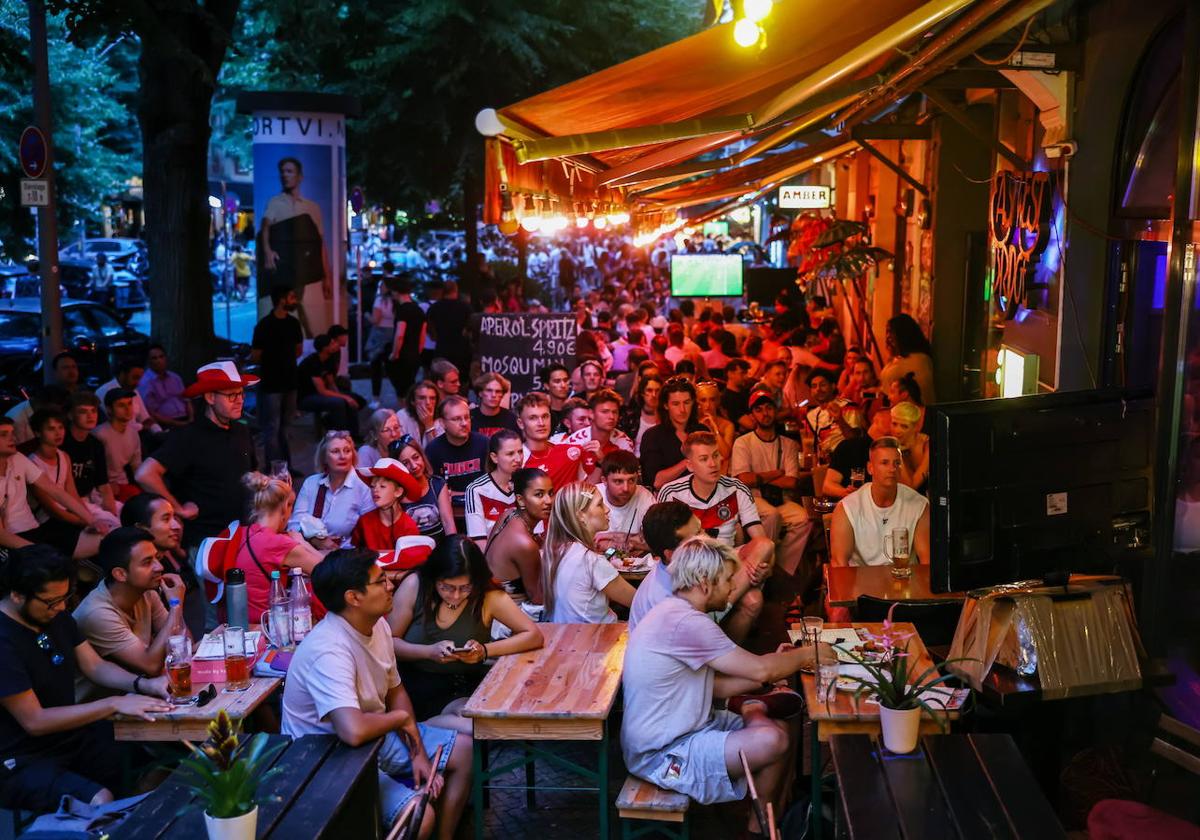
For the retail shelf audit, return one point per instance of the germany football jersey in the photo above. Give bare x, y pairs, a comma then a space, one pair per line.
484, 503
729, 504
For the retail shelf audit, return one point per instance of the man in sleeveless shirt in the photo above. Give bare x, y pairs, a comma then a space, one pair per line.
863, 520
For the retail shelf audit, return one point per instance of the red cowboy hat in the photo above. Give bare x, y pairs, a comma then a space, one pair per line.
219, 376
409, 553
393, 470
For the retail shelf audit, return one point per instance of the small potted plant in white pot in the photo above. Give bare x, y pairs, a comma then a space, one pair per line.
901, 696
225, 775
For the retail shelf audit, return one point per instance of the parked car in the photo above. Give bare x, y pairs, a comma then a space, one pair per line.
17, 280
118, 250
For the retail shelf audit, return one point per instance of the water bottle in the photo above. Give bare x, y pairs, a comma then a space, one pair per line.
237, 609
281, 619
300, 605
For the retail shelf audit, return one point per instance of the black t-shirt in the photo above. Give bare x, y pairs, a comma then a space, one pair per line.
459, 465
488, 426
277, 340
449, 321
24, 666
661, 449
413, 318
852, 453
309, 369
205, 465
735, 403
89, 464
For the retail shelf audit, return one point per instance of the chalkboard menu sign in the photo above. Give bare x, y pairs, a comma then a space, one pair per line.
518, 345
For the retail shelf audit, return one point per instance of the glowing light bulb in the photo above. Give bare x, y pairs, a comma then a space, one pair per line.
532, 224
746, 33
756, 10
581, 221
600, 222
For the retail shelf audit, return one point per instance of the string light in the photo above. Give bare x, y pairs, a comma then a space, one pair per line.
756, 10
746, 33
532, 224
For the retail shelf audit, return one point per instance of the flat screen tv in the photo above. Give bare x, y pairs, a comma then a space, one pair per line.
706, 275
1038, 486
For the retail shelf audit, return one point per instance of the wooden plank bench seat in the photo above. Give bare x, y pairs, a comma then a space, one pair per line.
642, 800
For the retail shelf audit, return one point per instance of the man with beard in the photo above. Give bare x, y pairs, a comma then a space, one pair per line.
276, 346
292, 238
51, 745
123, 617
206, 460
154, 514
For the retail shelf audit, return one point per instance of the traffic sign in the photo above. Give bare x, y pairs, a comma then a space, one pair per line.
35, 192
34, 152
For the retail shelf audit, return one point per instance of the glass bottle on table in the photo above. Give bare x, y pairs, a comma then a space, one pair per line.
299, 605
280, 611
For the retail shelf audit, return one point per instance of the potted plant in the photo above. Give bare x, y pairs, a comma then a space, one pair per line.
225, 773
901, 696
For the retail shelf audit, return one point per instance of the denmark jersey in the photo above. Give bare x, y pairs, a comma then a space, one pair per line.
559, 461
485, 502
729, 504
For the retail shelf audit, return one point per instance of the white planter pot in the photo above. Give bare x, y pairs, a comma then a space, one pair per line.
901, 728
232, 828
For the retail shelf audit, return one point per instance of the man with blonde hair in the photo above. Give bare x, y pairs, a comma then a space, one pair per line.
677, 662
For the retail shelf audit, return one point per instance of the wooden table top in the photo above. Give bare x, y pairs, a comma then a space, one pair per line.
846, 583
843, 706
574, 675
191, 722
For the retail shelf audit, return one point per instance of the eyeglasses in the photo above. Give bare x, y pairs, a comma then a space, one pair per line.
54, 602
447, 589
233, 396
382, 580
43, 642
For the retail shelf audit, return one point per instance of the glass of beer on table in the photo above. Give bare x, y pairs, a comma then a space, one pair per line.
179, 670
237, 664
896, 545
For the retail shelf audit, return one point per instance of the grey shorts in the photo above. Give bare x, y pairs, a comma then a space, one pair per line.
395, 767
695, 763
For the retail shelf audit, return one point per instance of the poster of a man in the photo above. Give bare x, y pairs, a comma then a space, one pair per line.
292, 235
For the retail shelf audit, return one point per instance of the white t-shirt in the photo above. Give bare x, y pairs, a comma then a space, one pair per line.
627, 519
141, 417
668, 681
654, 588
15, 512
729, 504
120, 448
485, 502
579, 587
643, 426
336, 667
57, 473
753, 454
871, 522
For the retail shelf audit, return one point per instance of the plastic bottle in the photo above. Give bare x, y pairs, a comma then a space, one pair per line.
237, 610
299, 605
281, 619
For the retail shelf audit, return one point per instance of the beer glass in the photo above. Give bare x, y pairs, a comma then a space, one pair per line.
897, 549
237, 664
179, 670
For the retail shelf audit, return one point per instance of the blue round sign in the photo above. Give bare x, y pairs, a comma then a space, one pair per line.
34, 152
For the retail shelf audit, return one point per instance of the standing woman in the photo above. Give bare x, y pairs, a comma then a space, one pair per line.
383, 332
578, 581
451, 604
430, 506
418, 419
382, 429
514, 549
911, 353
491, 495
334, 493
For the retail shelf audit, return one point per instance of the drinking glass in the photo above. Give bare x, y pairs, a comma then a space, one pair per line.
896, 548
827, 674
858, 477
237, 665
179, 670
813, 625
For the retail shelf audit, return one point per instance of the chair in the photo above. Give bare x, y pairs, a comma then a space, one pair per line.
935, 619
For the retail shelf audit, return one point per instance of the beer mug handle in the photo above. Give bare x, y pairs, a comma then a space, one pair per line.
889, 546
268, 629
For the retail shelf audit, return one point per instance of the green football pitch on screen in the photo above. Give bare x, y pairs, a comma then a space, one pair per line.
706, 275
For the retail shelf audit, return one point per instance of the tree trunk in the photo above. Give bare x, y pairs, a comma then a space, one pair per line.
471, 231
182, 52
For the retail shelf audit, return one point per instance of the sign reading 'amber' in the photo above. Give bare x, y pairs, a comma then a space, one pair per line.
1019, 230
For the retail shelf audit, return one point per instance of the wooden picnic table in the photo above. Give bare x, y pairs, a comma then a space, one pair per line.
191, 722
563, 691
846, 583
326, 789
957, 787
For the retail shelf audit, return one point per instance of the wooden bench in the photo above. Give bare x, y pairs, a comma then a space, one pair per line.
642, 800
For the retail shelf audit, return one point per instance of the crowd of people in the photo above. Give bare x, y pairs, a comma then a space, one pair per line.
440, 527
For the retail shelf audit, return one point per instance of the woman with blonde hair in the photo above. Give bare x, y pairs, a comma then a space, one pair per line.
382, 428
334, 494
914, 446
265, 545
578, 582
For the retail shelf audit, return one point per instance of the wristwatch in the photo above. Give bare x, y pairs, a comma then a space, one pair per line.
136, 688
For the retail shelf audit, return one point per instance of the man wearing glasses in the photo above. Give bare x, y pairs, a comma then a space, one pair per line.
51, 746
205, 461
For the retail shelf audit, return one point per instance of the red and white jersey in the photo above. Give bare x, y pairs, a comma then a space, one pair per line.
617, 440
485, 502
729, 504
559, 461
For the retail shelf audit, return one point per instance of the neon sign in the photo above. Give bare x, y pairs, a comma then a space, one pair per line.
1019, 231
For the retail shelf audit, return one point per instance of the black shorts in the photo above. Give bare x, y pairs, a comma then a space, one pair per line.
62, 535
85, 762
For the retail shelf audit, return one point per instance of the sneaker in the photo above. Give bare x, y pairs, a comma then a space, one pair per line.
781, 702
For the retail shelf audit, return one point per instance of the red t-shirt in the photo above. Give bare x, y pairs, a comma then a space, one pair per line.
270, 549
559, 461
371, 532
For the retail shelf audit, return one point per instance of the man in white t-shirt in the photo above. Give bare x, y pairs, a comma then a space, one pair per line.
867, 523
769, 464
343, 681
677, 662
627, 502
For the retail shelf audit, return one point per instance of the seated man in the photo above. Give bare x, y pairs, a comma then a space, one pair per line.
89, 463
51, 746
577, 415
122, 445
665, 527
769, 463
866, 520
677, 662
123, 617
560, 461
316, 390
343, 681
627, 502
128, 377
829, 419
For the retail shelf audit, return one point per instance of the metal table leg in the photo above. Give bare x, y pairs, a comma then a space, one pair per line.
602, 782
477, 782
814, 805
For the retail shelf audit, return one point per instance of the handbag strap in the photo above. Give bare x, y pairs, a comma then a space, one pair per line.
254, 557
319, 504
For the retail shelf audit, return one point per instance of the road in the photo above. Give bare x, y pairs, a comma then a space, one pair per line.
242, 316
